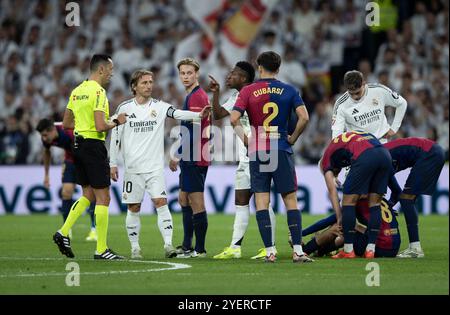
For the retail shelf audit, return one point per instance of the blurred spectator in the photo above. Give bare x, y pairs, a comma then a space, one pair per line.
42, 59
317, 134
292, 70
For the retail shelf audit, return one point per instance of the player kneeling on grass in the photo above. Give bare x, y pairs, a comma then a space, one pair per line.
141, 141
370, 170
329, 237
426, 160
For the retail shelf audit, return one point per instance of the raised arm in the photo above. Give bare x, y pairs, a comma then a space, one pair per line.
188, 115
218, 111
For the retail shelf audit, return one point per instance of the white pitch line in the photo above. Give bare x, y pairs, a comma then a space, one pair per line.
173, 266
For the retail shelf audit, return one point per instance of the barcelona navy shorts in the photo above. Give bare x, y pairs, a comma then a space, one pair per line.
68, 172
425, 173
369, 173
360, 243
277, 165
192, 177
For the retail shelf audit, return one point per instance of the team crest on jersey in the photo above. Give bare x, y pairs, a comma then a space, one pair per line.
375, 102
124, 196
153, 113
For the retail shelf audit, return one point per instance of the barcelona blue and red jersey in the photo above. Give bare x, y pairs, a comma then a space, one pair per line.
389, 236
198, 138
64, 141
346, 148
269, 104
407, 151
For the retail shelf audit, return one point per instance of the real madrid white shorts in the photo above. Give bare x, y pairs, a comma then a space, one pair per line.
135, 185
242, 180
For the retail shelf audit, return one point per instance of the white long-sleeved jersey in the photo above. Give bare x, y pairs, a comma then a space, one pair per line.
367, 114
141, 138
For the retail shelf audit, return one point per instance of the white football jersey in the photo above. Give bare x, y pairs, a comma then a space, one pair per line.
141, 138
367, 114
245, 122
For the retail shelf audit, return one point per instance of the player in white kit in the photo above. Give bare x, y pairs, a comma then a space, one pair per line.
141, 141
241, 75
362, 107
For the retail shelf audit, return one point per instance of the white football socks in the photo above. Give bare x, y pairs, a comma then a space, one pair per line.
348, 247
298, 249
133, 225
371, 247
273, 222
165, 224
241, 219
415, 245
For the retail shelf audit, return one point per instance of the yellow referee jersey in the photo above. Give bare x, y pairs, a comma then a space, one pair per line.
86, 98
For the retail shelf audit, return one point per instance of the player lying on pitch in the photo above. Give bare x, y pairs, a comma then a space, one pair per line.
329, 235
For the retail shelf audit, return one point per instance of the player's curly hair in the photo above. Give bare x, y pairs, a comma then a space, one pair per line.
188, 62
136, 76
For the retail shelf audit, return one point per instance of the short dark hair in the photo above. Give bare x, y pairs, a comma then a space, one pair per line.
44, 124
248, 69
269, 60
353, 80
97, 60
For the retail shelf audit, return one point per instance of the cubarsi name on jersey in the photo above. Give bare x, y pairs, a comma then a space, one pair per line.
367, 115
142, 123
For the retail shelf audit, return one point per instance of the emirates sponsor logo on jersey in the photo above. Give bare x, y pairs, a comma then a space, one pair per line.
365, 116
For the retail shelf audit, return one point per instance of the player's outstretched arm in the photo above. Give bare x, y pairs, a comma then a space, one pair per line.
101, 125
218, 111
396, 190
187, 115
333, 194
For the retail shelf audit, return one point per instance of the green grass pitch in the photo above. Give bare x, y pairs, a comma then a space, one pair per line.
31, 264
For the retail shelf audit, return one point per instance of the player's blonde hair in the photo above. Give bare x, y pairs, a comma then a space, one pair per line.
136, 76
188, 62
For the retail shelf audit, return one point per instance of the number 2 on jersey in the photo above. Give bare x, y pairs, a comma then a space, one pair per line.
271, 117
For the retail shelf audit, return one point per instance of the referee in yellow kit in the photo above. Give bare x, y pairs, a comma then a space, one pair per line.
88, 113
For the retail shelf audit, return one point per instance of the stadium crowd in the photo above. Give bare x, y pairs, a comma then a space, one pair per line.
42, 60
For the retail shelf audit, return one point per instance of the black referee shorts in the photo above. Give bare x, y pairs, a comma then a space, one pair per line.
91, 163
